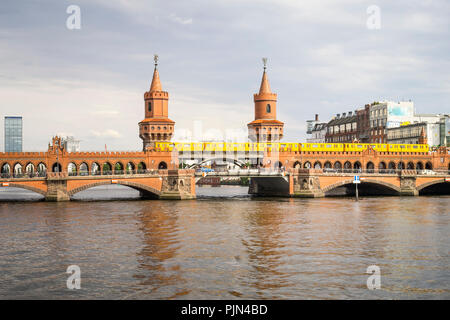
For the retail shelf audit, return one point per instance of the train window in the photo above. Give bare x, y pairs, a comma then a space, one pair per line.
315, 145
329, 146
359, 146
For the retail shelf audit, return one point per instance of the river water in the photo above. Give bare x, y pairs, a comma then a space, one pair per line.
224, 245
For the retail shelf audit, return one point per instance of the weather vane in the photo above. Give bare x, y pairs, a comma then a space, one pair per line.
265, 63
155, 57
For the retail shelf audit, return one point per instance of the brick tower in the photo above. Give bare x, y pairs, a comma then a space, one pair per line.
265, 127
156, 126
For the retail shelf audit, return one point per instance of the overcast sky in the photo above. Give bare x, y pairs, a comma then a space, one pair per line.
322, 59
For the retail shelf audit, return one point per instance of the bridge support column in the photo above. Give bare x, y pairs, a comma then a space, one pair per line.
178, 185
304, 185
408, 186
57, 190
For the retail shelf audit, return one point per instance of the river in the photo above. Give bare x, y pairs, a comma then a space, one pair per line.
223, 245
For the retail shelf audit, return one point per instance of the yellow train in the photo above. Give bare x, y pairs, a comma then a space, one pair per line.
286, 147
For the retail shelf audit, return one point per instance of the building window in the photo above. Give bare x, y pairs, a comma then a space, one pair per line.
149, 107
268, 108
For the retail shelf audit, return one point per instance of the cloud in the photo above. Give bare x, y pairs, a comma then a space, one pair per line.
109, 133
179, 20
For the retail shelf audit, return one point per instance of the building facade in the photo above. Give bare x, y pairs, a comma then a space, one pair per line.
363, 124
342, 129
317, 133
13, 134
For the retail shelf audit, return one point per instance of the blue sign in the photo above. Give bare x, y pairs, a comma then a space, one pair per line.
356, 180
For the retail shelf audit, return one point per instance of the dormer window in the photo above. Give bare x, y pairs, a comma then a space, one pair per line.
268, 108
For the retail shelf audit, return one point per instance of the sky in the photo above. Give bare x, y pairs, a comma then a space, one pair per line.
324, 57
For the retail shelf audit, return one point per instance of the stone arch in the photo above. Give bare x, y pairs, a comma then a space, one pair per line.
440, 187
30, 169
41, 169
6, 170
162, 165
237, 162
83, 169
347, 166
365, 181
72, 169
357, 165
429, 166
134, 185
131, 167
141, 167
401, 165
95, 169
382, 167
307, 165
277, 165
118, 168
18, 170
419, 166
56, 167
27, 187
297, 165
107, 168
392, 166
327, 165
337, 165
410, 166
370, 167
317, 165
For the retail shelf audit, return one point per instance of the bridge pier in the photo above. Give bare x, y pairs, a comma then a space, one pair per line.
57, 190
408, 185
178, 185
304, 185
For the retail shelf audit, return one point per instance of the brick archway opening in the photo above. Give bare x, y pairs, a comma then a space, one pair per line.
366, 188
435, 188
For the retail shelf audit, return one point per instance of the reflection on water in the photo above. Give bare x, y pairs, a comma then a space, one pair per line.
225, 244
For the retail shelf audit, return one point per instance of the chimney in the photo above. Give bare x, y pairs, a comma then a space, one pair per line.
317, 117
338, 116
343, 114
349, 113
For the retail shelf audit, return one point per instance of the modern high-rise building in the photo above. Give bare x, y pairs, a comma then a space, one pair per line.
13, 134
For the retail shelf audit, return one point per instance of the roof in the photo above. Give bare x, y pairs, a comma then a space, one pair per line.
342, 120
266, 121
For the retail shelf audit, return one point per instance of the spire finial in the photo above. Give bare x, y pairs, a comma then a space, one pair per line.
265, 63
155, 58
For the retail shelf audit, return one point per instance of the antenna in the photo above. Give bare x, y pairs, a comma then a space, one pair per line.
265, 63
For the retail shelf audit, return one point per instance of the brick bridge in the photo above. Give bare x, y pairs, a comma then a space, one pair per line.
58, 174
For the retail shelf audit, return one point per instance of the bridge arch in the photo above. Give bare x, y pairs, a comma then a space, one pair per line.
56, 167
95, 169
237, 162
72, 169
131, 167
6, 169
18, 169
297, 165
41, 169
307, 165
337, 165
142, 166
317, 165
381, 186
439, 186
419, 166
107, 168
392, 165
357, 165
370, 167
428, 166
137, 186
118, 168
27, 187
29, 168
401, 165
410, 165
162, 165
83, 169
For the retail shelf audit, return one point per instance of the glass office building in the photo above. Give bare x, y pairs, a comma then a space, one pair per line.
13, 134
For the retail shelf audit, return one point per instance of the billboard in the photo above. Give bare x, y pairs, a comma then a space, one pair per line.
400, 110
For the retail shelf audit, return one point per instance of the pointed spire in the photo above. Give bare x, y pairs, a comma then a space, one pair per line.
156, 83
265, 87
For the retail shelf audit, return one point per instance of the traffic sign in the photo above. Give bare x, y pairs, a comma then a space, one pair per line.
356, 180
